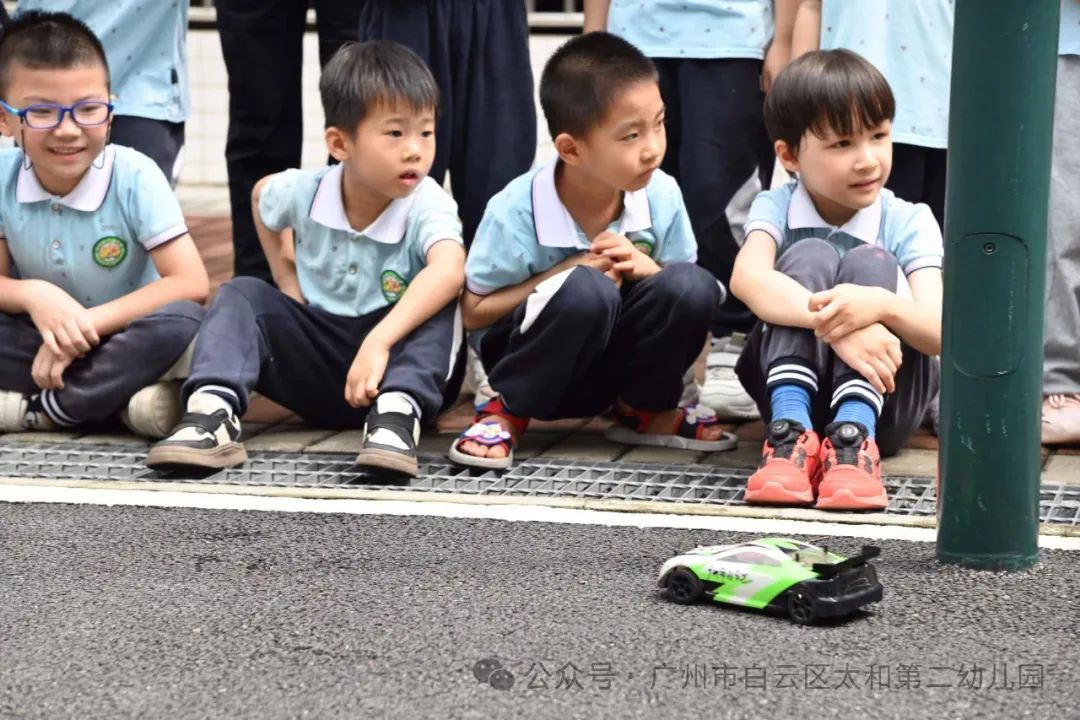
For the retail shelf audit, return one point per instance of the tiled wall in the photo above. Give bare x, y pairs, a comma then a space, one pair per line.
204, 152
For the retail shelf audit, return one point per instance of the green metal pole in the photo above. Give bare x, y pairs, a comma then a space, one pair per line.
1001, 118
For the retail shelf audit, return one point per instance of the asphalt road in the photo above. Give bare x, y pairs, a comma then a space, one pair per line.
133, 612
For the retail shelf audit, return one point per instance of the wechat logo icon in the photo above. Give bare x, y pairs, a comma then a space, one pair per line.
491, 672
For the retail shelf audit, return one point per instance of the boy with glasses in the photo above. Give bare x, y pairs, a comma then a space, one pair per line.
100, 283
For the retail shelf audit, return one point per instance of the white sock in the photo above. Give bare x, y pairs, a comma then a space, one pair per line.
207, 403
396, 402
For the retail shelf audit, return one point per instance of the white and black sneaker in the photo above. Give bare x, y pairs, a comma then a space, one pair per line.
208, 436
390, 436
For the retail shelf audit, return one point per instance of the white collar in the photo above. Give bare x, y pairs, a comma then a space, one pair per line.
863, 225
86, 196
556, 228
328, 208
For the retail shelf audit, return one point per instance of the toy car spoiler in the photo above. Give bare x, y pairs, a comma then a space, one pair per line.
828, 570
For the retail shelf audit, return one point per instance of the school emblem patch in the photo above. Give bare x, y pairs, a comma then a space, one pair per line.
109, 251
393, 286
644, 246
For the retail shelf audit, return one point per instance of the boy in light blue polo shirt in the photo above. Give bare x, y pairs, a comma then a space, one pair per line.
715, 61
582, 291
846, 280
362, 328
146, 46
97, 271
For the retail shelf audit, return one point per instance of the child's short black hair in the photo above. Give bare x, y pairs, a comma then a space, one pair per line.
584, 76
361, 75
827, 90
48, 41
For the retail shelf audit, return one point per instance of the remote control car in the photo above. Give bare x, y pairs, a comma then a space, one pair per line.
806, 582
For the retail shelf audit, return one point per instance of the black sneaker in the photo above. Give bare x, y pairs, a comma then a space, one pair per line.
390, 436
207, 437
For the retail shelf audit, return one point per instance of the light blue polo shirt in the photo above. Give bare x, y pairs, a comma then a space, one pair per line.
1069, 39
94, 242
910, 42
526, 229
348, 272
703, 29
907, 230
145, 43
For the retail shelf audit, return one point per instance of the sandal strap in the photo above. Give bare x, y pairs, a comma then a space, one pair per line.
488, 433
404, 425
693, 419
495, 406
690, 420
207, 423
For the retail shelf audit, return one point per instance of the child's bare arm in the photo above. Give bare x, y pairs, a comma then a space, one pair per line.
278, 248
771, 295
918, 321
806, 35
596, 14
433, 288
847, 308
779, 53
481, 311
183, 277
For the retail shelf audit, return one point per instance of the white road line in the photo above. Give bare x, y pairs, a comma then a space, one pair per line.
521, 513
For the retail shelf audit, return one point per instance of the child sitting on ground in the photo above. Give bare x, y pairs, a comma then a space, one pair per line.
364, 327
581, 287
100, 284
846, 281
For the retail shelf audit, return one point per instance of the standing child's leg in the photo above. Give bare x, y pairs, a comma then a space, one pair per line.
99, 384
865, 424
781, 369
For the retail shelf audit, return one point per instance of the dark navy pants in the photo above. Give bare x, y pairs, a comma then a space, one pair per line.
918, 176
578, 342
262, 43
257, 338
716, 141
101, 383
816, 265
159, 140
478, 51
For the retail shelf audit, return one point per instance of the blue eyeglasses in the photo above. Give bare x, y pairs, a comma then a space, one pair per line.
46, 116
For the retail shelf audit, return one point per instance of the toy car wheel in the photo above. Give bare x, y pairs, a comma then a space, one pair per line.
684, 587
801, 606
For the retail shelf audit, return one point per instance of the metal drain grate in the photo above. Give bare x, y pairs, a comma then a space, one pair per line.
540, 478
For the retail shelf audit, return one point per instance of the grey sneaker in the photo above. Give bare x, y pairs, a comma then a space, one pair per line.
154, 411
722, 390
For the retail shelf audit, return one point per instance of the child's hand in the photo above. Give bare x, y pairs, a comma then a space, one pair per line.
366, 372
874, 353
604, 265
65, 326
628, 261
48, 368
847, 308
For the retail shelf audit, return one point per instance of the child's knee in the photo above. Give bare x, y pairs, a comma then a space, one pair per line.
813, 263
588, 292
688, 287
869, 265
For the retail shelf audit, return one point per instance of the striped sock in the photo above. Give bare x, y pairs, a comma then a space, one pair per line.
856, 400
791, 402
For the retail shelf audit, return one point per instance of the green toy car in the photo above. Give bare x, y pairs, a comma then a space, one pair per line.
806, 582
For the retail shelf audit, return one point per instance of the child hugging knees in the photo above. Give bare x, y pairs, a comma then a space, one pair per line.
100, 284
581, 292
845, 279
363, 326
